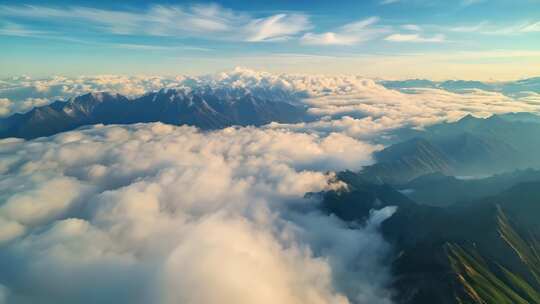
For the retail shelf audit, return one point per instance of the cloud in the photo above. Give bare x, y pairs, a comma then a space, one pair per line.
351, 33
386, 2
490, 28
470, 28
328, 38
195, 21
415, 38
411, 27
531, 27
334, 96
13, 29
152, 213
277, 27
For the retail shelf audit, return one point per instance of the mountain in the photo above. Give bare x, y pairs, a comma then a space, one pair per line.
407, 160
484, 252
509, 87
470, 146
520, 116
438, 189
206, 108
448, 85
360, 197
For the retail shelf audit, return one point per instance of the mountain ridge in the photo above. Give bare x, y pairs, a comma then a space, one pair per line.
205, 108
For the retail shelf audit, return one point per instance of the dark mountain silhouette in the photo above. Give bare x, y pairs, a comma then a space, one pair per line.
205, 108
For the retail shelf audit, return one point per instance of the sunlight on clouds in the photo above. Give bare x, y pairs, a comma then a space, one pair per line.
152, 208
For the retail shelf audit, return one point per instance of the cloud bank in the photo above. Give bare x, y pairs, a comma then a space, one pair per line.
163, 214
358, 107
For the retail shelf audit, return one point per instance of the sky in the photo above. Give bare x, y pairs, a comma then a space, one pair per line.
390, 39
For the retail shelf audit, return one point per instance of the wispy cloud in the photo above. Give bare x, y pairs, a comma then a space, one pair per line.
13, 29
531, 27
199, 21
348, 34
415, 38
411, 27
469, 28
279, 26
386, 2
490, 28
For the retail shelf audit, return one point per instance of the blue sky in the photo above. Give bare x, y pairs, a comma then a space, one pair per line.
466, 39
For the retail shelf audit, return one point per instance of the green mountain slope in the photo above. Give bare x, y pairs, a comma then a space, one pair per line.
486, 251
497, 284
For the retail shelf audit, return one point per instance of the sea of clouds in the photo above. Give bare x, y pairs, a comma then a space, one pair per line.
353, 105
152, 213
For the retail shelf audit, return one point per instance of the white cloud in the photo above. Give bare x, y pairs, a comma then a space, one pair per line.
152, 208
277, 27
415, 38
491, 28
355, 96
348, 34
329, 38
200, 21
531, 27
161, 214
411, 27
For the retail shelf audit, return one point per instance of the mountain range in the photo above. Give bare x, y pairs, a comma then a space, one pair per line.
470, 147
467, 194
485, 251
205, 108
508, 87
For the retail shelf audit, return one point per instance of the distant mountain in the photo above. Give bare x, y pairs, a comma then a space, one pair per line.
409, 84
407, 160
521, 116
441, 190
483, 252
205, 108
508, 87
469, 147
448, 85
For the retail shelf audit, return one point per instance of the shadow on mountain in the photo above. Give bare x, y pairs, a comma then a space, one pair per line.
482, 251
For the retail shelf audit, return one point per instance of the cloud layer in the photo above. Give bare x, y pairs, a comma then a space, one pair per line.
163, 214
359, 107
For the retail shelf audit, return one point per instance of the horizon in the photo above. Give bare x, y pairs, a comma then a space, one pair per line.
242, 68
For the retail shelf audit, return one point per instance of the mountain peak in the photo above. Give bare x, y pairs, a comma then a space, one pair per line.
468, 117
95, 96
